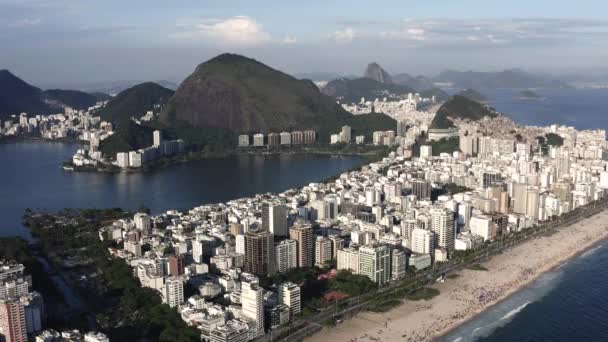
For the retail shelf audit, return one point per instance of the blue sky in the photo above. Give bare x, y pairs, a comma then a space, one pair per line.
63, 42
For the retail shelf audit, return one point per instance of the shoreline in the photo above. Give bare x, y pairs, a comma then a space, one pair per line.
464, 298
524, 285
367, 156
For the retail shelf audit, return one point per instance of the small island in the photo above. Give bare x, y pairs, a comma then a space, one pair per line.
528, 95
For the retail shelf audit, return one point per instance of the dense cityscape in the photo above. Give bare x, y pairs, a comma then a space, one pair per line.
378, 222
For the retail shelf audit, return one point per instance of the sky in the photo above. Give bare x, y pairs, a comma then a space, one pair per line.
76, 42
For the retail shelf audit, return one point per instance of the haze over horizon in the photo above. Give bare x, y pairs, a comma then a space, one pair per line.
69, 42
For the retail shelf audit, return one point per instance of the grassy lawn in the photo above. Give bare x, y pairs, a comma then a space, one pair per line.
477, 267
425, 293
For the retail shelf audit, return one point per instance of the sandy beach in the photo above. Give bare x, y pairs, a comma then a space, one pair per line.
469, 294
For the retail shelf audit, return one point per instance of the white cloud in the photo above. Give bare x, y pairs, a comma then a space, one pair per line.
406, 33
238, 30
21, 23
345, 35
416, 33
290, 40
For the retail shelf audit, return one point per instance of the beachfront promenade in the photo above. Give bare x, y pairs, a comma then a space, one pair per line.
348, 307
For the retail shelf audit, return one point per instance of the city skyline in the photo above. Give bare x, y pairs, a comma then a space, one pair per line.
55, 43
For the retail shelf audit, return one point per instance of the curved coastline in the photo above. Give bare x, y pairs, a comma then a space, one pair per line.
473, 292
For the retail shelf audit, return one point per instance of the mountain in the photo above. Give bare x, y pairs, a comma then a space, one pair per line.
420, 83
116, 87
237, 94
17, 96
460, 107
317, 76
135, 101
513, 78
375, 72
473, 95
352, 90
71, 98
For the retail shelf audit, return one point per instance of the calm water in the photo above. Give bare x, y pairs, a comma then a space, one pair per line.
31, 177
570, 303
581, 108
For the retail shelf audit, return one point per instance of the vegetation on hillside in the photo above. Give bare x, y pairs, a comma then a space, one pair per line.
473, 95
135, 102
242, 95
463, 108
129, 136
71, 98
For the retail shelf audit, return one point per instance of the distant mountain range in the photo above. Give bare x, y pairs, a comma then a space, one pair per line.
378, 83
17, 96
514, 78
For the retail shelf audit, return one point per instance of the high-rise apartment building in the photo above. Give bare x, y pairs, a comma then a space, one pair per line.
158, 138
346, 134
421, 189
322, 251
422, 241
259, 253
398, 264
274, 218
303, 235
252, 302
443, 227
173, 292
375, 263
12, 321
289, 295
286, 254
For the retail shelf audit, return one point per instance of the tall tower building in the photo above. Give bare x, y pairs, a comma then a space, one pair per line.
158, 138
421, 189
375, 263
303, 234
286, 253
252, 302
259, 253
443, 227
422, 241
274, 218
289, 295
173, 293
348, 259
322, 251
346, 134
12, 321
398, 264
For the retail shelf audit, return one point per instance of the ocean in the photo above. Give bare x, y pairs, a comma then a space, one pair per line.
571, 302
